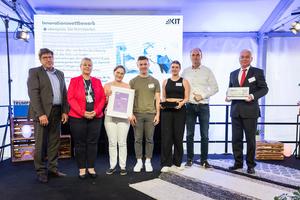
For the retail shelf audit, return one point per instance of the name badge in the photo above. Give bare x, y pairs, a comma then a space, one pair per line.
252, 79
151, 85
179, 84
89, 99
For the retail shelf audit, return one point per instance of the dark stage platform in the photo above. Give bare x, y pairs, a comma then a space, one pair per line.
18, 180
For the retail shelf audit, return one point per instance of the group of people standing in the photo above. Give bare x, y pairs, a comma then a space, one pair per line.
180, 102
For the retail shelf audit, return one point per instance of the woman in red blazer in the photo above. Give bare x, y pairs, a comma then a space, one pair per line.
86, 98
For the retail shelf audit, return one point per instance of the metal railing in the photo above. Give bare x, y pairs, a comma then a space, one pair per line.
6, 126
227, 122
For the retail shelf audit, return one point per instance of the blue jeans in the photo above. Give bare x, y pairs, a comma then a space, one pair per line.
194, 111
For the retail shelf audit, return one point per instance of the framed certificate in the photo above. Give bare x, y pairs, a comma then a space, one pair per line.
120, 102
238, 93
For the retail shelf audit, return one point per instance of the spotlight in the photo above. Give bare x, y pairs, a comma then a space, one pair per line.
22, 35
297, 26
294, 30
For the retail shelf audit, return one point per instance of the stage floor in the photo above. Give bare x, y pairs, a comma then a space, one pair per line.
18, 181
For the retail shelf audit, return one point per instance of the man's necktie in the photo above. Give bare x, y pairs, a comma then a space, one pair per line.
243, 77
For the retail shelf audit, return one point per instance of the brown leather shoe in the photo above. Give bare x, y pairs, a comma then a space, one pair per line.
42, 178
56, 174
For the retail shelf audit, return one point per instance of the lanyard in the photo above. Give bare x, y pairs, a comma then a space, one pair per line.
89, 94
88, 89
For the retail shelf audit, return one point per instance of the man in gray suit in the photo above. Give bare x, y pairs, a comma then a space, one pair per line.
48, 108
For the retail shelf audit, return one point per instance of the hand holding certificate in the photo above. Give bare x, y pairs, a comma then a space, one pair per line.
120, 103
238, 93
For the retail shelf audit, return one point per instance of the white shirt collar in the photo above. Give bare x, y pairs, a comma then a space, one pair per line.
53, 70
247, 68
197, 67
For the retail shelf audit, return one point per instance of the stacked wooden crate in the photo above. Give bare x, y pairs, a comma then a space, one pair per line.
22, 146
269, 150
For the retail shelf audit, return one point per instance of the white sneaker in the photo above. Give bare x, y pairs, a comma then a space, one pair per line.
165, 169
148, 167
138, 166
180, 168
176, 169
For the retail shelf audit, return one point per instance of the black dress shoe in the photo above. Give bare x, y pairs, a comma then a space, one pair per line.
56, 174
235, 167
205, 164
189, 163
82, 176
42, 178
251, 170
93, 175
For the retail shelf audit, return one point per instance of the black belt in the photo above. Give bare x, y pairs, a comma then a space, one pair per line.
56, 106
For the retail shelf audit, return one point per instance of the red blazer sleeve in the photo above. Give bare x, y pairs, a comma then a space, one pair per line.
99, 97
73, 98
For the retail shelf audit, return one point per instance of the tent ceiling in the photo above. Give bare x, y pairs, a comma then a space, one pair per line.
199, 16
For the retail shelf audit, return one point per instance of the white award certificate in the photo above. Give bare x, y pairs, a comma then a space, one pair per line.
120, 102
238, 93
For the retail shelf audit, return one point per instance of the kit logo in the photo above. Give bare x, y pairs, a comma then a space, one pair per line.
173, 21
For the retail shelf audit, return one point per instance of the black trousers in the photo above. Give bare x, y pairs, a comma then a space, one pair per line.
239, 126
172, 130
47, 141
85, 134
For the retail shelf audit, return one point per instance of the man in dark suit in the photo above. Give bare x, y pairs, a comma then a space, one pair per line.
48, 108
244, 113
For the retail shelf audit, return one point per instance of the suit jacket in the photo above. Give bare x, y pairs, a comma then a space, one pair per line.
41, 94
77, 99
258, 88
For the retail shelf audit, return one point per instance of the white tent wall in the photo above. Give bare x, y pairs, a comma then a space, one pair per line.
21, 59
282, 76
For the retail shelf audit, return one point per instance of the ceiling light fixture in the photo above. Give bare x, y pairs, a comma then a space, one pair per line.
22, 34
295, 27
